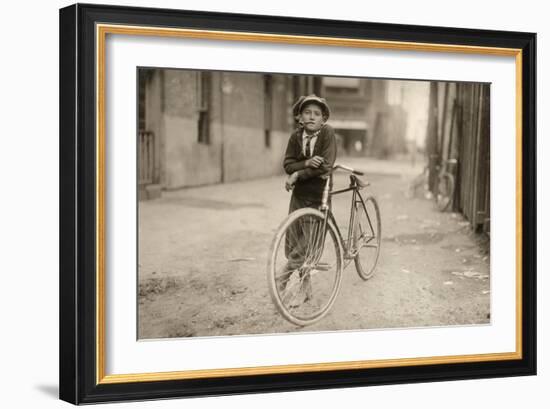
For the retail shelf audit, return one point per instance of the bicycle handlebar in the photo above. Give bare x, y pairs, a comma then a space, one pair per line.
347, 169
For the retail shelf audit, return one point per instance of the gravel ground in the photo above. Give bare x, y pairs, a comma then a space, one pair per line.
202, 262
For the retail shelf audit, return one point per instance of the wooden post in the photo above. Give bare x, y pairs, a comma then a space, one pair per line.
432, 147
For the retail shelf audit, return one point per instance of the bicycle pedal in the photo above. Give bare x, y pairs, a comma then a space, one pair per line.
322, 267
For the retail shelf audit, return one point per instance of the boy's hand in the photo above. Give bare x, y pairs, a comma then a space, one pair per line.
314, 162
291, 181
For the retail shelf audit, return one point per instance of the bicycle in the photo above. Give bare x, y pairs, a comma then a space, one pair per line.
308, 252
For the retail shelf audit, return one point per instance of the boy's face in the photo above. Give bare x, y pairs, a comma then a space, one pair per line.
312, 117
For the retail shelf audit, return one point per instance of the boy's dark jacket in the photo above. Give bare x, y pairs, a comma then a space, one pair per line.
310, 184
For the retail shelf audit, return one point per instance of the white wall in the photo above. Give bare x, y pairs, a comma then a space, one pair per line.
29, 203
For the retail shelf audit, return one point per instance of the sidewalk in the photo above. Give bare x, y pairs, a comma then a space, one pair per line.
202, 254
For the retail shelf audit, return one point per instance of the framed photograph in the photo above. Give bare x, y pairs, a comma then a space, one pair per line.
258, 204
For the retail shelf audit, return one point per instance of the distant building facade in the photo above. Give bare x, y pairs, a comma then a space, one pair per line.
349, 100
376, 117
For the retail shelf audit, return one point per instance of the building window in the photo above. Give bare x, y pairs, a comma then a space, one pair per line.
142, 83
203, 106
268, 109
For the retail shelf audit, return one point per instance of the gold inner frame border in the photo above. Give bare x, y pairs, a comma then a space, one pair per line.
102, 30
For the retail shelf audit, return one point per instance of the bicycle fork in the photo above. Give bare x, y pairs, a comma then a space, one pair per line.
324, 208
351, 252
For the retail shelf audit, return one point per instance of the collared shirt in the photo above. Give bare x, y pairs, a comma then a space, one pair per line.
310, 184
311, 143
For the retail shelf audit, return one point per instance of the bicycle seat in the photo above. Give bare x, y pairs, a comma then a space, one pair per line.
355, 180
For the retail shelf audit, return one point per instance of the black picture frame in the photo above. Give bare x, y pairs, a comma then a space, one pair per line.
79, 358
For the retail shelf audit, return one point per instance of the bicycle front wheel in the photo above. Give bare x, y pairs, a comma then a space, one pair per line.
367, 236
304, 269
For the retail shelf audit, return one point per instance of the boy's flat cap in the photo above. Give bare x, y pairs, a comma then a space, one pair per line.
304, 99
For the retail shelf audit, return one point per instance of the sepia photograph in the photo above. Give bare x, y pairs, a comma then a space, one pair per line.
274, 203
259, 203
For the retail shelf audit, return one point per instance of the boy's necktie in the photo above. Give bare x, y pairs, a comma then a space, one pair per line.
308, 145
308, 142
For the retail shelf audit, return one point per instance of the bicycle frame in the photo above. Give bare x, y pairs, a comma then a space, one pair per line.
325, 208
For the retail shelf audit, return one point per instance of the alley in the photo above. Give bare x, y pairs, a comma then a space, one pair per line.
203, 252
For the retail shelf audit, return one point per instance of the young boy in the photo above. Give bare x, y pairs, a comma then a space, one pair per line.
310, 154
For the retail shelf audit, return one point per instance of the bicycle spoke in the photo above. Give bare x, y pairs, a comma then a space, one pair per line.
294, 298
295, 242
317, 243
309, 237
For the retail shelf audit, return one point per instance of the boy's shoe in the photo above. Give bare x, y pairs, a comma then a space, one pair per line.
298, 301
286, 275
305, 293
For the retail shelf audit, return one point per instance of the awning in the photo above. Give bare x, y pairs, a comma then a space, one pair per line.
348, 124
341, 82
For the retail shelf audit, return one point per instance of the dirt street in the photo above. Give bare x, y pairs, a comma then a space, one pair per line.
202, 261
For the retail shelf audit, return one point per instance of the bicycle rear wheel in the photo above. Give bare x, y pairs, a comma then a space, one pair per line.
367, 234
304, 269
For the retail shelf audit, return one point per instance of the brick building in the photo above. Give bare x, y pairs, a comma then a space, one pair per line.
204, 127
